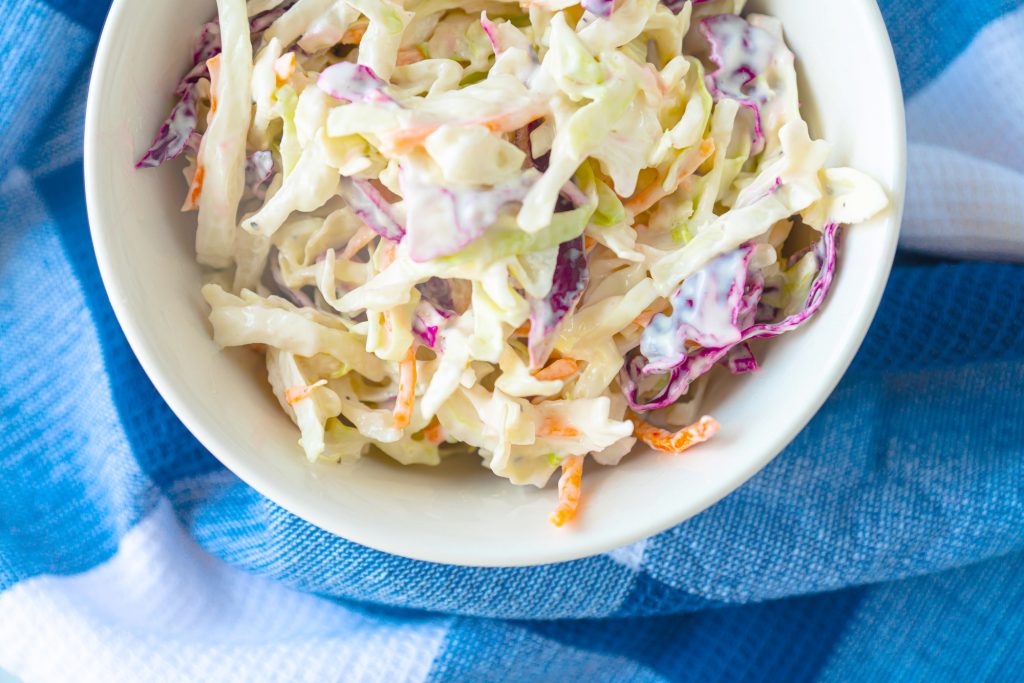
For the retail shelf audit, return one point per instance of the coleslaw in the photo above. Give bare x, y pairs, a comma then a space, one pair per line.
526, 229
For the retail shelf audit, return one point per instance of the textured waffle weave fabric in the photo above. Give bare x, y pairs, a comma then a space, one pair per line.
884, 544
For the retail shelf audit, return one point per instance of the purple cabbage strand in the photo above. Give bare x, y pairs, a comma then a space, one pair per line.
741, 360
677, 5
427, 324
178, 132
570, 279
601, 8
279, 286
353, 83
372, 208
259, 169
442, 221
698, 361
438, 293
706, 310
742, 53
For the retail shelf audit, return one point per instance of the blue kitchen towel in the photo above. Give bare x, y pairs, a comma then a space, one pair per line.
884, 544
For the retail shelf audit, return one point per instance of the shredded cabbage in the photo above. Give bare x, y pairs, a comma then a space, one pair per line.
532, 232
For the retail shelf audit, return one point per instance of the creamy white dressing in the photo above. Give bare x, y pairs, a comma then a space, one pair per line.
705, 309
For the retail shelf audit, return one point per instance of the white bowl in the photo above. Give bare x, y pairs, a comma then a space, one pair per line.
460, 513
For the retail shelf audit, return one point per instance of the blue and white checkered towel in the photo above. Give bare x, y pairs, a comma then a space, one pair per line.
128, 553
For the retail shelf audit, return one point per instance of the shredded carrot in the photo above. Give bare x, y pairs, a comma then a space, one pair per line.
363, 236
409, 55
388, 252
667, 442
706, 149
284, 68
406, 389
354, 34
654, 192
645, 198
523, 330
297, 394
434, 433
554, 427
569, 490
513, 120
195, 189
406, 140
213, 64
645, 318
560, 369
588, 242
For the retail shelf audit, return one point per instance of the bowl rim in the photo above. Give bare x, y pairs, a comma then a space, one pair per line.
249, 471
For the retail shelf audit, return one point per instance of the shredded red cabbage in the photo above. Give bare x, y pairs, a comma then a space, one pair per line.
741, 359
369, 204
438, 292
353, 83
696, 361
262, 21
178, 131
602, 8
207, 43
427, 324
742, 53
259, 169
706, 310
174, 134
573, 195
677, 5
277, 285
567, 284
491, 30
541, 162
441, 221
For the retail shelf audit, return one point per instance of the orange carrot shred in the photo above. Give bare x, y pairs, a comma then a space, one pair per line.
407, 139
513, 120
363, 236
523, 330
213, 64
569, 490
296, 394
667, 442
409, 55
645, 318
195, 190
354, 34
588, 242
389, 251
560, 369
554, 427
654, 192
284, 68
434, 433
406, 389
